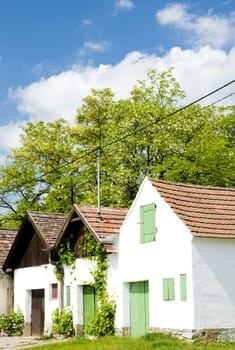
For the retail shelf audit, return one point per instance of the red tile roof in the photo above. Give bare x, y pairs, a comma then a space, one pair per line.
48, 225
112, 219
206, 211
6, 239
103, 226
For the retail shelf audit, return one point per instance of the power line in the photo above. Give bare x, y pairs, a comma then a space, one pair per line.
173, 113
221, 99
120, 139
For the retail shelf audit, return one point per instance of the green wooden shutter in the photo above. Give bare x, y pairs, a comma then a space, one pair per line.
147, 223
168, 289
68, 299
183, 287
171, 289
165, 289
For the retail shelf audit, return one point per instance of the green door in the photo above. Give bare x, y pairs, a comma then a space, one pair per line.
89, 305
139, 308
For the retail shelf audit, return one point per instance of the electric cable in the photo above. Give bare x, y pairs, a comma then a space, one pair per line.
120, 139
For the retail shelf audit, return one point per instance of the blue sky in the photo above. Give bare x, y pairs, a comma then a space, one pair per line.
52, 52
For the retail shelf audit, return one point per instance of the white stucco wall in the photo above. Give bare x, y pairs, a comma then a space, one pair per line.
41, 277
76, 278
29, 278
82, 276
213, 282
168, 257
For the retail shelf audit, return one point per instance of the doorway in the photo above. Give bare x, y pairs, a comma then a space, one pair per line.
89, 305
38, 312
139, 308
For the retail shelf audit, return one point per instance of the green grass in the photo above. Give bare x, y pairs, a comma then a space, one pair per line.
158, 341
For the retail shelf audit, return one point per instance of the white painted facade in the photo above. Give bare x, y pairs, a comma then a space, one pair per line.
213, 283
42, 277
80, 276
207, 263
32, 278
167, 257
76, 278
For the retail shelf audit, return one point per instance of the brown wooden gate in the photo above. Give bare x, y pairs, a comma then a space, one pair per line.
37, 312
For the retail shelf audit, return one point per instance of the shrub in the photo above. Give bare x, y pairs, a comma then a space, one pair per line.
2, 319
62, 322
103, 323
12, 324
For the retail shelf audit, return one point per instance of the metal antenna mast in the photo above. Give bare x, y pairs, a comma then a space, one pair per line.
98, 180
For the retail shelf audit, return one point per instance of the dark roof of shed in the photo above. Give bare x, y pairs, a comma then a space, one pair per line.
6, 239
206, 211
48, 225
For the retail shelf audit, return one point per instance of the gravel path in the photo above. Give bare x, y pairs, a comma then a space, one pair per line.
12, 343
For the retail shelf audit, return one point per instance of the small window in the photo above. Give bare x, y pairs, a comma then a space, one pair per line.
54, 291
147, 223
68, 294
183, 287
168, 289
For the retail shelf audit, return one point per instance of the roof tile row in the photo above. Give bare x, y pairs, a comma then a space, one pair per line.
206, 211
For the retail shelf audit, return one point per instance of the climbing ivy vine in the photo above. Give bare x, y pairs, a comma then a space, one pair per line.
66, 257
103, 323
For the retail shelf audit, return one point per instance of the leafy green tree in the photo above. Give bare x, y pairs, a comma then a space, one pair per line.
125, 131
94, 125
40, 174
204, 155
148, 133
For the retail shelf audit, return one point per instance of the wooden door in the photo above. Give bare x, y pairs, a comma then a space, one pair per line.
89, 305
139, 308
38, 312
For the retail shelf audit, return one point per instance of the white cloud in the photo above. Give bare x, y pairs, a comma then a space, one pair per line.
9, 138
198, 72
175, 14
97, 46
86, 22
125, 4
94, 46
216, 31
38, 68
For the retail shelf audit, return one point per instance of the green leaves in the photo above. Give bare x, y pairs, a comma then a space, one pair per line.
56, 164
12, 324
62, 322
66, 253
41, 174
103, 323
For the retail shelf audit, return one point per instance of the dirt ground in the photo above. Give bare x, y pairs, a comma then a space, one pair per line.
12, 343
